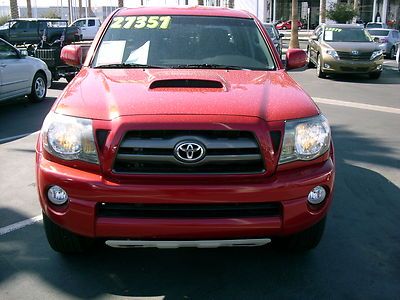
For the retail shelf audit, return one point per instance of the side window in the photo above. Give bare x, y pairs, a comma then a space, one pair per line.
21, 25
91, 22
7, 52
396, 35
80, 23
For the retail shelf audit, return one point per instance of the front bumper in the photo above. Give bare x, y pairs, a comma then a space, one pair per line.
88, 190
346, 66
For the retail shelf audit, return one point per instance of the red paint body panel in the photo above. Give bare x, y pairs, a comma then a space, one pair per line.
121, 100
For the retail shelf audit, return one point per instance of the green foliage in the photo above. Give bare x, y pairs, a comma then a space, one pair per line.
4, 19
51, 14
341, 12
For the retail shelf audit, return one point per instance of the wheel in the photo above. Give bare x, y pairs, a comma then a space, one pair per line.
310, 63
284, 27
375, 75
69, 77
319, 71
392, 53
302, 241
64, 241
39, 88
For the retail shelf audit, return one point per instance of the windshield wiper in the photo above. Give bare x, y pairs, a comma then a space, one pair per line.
206, 66
128, 66
217, 66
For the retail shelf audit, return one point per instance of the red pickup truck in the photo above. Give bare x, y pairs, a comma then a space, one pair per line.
183, 129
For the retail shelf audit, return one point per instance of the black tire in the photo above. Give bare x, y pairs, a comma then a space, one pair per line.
310, 64
392, 53
319, 71
69, 77
39, 88
64, 241
302, 241
375, 75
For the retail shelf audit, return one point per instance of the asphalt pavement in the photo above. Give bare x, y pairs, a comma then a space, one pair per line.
358, 257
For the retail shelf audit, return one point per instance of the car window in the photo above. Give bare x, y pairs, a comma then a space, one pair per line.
7, 52
336, 34
91, 23
379, 32
270, 31
179, 41
396, 34
81, 23
21, 25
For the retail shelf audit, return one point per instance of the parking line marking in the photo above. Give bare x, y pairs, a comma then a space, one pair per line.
16, 137
19, 225
385, 109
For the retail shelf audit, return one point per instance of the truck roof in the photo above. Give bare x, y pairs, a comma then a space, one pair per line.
186, 10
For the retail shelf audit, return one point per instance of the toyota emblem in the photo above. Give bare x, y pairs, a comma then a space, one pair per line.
354, 52
189, 152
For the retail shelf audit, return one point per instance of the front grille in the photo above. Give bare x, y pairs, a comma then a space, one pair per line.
227, 152
192, 211
350, 69
350, 56
50, 56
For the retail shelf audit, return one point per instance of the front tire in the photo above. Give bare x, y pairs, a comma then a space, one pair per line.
310, 64
319, 71
392, 53
39, 88
64, 241
302, 241
375, 75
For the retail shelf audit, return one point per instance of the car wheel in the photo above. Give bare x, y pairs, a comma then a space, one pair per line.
375, 75
64, 241
302, 241
310, 63
39, 88
319, 71
392, 53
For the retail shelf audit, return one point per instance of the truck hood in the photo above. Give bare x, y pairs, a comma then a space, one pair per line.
348, 47
109, 93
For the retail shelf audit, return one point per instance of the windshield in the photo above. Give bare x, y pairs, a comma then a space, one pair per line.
374, 25
270, 31
334, 34
183, 42
379, 32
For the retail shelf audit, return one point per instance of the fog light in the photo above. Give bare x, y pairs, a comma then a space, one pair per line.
57, 195
317, 195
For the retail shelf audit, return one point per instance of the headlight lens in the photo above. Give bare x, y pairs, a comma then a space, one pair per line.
375, 54
305, 139
69, 138
333, 53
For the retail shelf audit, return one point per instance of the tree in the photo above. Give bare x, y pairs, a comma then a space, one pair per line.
231, 3
29, 8
201, 2
120, 3
322, 11
294, 37
341, 13
14, 9
4, 19
51, 14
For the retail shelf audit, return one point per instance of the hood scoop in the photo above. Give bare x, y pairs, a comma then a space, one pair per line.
186, 83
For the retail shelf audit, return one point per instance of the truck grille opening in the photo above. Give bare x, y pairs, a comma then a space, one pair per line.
350, 56
226, 152
218, 210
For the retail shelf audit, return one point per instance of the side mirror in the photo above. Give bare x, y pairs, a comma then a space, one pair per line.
295, 58
314, 38
72, 55
376, 40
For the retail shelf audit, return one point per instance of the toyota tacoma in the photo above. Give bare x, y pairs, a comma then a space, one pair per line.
183, 129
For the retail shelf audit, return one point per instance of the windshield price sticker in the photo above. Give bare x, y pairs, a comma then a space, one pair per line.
140, 22
333, 29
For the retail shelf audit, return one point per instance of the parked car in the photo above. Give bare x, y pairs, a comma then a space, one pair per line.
344, 49
275, 36
31, 31
88, 27
288, 25
398, 58
388, 39
375, 25
22, 75
183, 129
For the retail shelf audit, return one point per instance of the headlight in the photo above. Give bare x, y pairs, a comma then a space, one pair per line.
305, 139
333, 53
375, 54
69, 138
